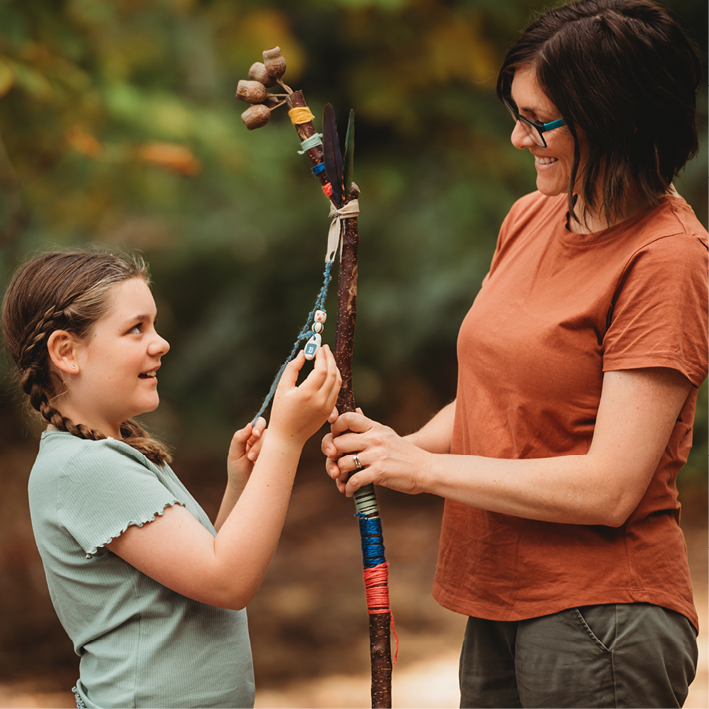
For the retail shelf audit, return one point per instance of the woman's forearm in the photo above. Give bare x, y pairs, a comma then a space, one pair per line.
435, 436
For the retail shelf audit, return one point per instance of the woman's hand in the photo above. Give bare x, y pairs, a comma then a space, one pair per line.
299, 411
385, 458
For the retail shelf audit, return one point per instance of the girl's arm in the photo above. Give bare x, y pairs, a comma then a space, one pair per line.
244, 450
178, 552
636, 416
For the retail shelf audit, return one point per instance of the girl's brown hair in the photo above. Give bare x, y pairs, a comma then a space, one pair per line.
624, 73
66, 291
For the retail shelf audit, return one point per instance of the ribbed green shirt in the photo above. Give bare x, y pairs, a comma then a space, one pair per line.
140, 644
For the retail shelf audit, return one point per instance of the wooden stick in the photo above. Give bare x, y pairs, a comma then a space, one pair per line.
379, 623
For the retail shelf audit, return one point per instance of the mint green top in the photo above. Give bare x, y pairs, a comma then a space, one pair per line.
140, 644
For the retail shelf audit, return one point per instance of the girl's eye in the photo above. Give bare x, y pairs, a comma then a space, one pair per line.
136, 329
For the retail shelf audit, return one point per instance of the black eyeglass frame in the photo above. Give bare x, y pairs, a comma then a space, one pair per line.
537, 129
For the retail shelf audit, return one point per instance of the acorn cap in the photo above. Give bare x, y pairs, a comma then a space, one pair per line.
256, 116
251, 91
258, 72
274, 62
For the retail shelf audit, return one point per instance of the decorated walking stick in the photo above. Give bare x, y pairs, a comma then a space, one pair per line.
335, 177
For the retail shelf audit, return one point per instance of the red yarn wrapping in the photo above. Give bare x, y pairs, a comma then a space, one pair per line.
327, 189
376, 585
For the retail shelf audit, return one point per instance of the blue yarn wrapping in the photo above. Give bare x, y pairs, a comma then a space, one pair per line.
305, 334
370, 530
317, 169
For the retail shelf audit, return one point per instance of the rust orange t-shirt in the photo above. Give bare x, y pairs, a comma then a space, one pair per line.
555, 312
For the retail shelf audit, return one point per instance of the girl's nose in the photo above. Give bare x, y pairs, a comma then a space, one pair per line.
159, 346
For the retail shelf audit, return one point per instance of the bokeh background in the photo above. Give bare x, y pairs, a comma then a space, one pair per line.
119, 127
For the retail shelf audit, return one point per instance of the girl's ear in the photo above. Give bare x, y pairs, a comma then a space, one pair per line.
62, 348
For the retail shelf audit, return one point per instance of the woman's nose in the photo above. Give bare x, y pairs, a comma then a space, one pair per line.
520, 138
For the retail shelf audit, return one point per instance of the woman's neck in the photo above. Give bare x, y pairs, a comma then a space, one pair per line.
592, 221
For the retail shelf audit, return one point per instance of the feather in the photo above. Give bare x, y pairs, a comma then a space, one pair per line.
349, 155
332, 157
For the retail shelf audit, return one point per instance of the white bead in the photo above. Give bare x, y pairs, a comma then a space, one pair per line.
320, 316
317, 327
312, 346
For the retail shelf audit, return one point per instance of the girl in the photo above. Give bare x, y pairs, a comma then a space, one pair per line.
150, 593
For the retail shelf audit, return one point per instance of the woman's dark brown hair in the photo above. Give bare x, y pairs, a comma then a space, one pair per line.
624, 73
65, 291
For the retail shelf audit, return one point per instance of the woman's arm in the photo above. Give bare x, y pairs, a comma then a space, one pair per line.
435, 436
637, 413
178, 552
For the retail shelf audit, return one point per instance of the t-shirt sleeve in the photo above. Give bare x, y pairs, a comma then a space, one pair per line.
105, 489
659, 316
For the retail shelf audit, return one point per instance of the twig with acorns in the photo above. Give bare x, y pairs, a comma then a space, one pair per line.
335, 177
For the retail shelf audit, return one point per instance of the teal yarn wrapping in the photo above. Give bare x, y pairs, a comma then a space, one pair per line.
305, 334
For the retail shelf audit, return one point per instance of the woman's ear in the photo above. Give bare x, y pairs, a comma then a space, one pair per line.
62, 348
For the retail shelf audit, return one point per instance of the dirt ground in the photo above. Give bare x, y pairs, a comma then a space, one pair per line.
309, 622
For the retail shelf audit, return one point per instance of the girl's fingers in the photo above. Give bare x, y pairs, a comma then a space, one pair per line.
255, 449
289, 378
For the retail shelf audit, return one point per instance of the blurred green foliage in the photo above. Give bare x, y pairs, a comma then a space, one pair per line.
119, 126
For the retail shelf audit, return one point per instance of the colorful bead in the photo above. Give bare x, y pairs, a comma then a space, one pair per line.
312, 346
318, 327
320, 316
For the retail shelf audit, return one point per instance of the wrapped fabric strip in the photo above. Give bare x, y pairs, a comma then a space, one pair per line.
350, 210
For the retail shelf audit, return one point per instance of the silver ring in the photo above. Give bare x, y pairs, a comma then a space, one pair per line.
357, 462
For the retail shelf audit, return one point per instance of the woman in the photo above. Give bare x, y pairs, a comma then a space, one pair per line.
579, 363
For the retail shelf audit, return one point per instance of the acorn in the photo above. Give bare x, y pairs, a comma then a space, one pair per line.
251, 91
274, 62
258, 72
256, 116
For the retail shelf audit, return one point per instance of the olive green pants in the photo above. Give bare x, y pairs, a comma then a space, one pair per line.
626, 655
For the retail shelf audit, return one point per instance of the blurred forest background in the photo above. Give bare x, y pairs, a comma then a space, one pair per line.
119, 127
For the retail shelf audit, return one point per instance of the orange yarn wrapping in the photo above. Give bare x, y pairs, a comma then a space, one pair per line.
376, 585
299, 115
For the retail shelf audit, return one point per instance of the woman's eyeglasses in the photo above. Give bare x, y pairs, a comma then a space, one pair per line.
535, 130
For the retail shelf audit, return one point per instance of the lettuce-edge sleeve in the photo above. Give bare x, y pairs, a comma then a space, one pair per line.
659, 316
105, 488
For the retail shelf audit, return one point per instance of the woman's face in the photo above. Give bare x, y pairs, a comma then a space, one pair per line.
554, 162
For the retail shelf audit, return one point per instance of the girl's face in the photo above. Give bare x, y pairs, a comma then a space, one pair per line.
554, 162
117, 364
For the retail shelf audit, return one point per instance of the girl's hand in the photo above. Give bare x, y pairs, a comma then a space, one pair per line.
299, 411
243, 452
385, 458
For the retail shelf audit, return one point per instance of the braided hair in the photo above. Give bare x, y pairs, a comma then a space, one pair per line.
66, 291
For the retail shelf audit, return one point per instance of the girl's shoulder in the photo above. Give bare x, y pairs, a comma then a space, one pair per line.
64, 459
